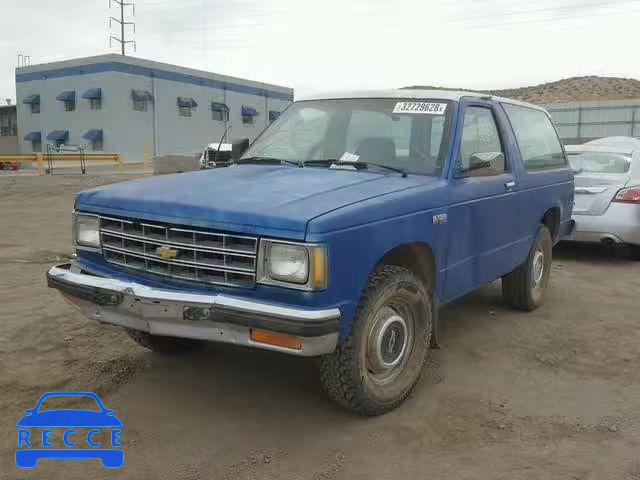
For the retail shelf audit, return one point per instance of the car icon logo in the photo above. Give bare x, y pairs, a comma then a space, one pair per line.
80, 433
166, 251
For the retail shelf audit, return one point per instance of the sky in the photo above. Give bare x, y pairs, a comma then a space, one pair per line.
328, 45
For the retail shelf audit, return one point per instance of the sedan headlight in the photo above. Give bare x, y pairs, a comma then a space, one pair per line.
86, 231
295, 265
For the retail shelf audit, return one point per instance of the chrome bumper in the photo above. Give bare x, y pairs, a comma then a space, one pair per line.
218, 318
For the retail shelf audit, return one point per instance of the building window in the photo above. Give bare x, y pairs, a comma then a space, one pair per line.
185, 106
36, 146
35, 108
140, 105
69, 105
220, 115
95, 103
97, 145
273, 115
184, 111
248, 114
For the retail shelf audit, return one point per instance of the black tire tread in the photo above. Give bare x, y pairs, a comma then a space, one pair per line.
515, 285
336, 368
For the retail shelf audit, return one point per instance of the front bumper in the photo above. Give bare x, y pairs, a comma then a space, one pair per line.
217, 317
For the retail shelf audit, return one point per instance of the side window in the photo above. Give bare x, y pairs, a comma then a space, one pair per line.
480, 141
537, 139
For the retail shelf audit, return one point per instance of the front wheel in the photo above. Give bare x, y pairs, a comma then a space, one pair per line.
634, 252
524, 287
381, 360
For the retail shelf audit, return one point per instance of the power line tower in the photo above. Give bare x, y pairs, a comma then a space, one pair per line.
122, 4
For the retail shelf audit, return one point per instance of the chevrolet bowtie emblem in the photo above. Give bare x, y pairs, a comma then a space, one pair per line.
166, 252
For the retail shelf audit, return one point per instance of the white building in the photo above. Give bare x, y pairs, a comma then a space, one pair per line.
119, 104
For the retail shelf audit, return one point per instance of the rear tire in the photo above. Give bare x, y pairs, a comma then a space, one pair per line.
634, 252
161, 344
381, 360
524, 287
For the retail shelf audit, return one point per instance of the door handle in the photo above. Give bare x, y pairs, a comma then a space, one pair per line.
510, 185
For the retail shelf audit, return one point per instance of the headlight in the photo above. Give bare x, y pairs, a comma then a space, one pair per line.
86, 231
288, 263
293, 264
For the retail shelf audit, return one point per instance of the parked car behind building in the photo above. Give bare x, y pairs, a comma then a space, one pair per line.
607, 200
339, 232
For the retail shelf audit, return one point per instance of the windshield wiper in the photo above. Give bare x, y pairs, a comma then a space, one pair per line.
357, 165
273, 160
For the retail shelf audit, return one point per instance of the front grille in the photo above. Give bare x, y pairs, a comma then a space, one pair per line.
195, 255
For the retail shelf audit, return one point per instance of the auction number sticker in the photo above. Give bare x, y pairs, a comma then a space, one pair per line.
420, 107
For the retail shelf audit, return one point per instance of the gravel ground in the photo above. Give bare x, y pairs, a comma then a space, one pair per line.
553, 394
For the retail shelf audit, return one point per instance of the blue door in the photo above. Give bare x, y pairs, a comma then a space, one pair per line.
483, 215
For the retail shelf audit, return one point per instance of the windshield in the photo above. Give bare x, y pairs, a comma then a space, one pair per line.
61, 402
599, 162
407, 134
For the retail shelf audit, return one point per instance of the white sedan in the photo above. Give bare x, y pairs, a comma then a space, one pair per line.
607, 192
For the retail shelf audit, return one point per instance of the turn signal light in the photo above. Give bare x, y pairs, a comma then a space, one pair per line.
628, 195
277, 339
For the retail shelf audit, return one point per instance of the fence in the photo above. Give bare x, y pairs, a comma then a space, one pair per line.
42, 158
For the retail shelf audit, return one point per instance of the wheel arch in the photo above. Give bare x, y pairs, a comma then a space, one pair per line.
417, 257
551, 219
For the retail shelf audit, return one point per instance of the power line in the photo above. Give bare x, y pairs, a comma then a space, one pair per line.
122, 39
542, 10
453, 24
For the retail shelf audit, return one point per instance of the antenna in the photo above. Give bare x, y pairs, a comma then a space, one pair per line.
122, 39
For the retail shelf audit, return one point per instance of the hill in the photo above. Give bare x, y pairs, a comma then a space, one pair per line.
572, 90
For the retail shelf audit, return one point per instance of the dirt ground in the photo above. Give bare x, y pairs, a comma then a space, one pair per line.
553, 394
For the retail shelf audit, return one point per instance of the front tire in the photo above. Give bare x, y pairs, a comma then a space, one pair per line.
161, 344
524, 287
634, 252
381, 360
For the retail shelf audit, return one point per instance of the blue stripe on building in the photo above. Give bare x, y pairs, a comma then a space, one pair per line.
118, 67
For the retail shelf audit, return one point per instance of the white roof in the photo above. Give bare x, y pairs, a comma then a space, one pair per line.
585, 147
435, 94
627, 143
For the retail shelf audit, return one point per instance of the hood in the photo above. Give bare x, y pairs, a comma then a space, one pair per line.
260, 199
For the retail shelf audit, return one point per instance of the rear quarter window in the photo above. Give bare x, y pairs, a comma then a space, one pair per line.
537, 139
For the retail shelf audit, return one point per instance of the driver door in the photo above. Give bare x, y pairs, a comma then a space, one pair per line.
483, 214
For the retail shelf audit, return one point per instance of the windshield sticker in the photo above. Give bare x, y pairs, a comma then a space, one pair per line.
349, 157
420, 107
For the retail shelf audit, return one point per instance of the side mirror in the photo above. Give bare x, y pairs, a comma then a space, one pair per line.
238, 147
482, 160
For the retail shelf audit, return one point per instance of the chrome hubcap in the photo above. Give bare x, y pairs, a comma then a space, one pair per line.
538, 267
388, 344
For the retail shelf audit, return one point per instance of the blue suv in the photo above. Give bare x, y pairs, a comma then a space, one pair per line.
339, 232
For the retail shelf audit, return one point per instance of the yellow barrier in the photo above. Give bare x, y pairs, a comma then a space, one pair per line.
40, 158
